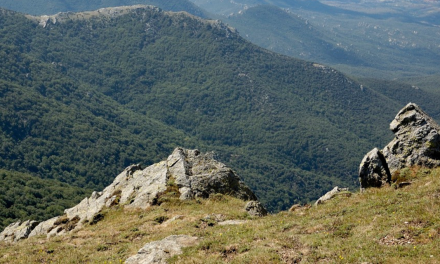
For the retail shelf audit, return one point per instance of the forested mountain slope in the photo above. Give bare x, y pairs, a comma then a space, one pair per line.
373, 39
84, 95
277, 30
378, 39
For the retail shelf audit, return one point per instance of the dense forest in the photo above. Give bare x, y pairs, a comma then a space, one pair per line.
92, 93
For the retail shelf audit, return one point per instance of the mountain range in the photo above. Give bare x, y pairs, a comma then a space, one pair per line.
379, 39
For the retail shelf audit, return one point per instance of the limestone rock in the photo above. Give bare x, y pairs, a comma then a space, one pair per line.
18, 230
255, 208
416, 141
160, 251
194, 173
233, 222
329, 195
373, 171
44, 227
199, 175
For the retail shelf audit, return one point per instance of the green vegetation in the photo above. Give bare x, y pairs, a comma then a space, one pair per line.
23, 196
380, 40
287, 33
84, 98
383, 225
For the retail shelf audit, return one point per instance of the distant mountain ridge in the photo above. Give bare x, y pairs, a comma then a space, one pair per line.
370, 39
51, 7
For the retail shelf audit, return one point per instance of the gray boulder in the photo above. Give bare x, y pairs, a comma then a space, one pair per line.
373, 171
18, 230
159, 251
255, 208
199, 175
416, 141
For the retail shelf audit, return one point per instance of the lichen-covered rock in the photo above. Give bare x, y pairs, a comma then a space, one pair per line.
255, 208
416, 141
329, 195
373, 171
159, 251
44, 227
195, 174
199, 175
18, 230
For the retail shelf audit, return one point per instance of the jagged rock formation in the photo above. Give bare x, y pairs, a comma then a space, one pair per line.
18, 230
117, 11
188, 172
416, 142
160, 251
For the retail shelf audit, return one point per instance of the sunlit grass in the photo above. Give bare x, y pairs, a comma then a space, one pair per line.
384, 225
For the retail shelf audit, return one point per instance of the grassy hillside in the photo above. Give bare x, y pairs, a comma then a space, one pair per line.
91, 94
384, 225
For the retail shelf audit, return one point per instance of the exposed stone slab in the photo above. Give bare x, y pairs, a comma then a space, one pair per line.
159, 251
329, 195
233, 222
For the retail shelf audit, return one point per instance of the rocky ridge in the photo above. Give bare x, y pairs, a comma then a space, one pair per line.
187, 173
416, 143
111, 12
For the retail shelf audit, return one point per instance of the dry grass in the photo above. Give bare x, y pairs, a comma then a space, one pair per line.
384, 225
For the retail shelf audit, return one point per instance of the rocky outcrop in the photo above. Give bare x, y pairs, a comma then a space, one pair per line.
255, 208
190, 172
160, 251
416, 142
329, 195
18, 230
373, 171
